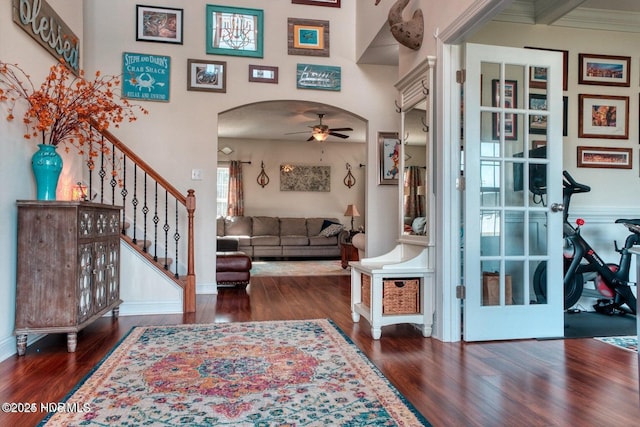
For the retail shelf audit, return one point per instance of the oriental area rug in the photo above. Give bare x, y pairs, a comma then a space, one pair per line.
284, 373
629, 343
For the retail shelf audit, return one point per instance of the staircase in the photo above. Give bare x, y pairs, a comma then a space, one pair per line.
155, 216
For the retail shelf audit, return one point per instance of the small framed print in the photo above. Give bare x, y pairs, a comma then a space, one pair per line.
605, 157
603, 116
263, 74
159, 24
605, 70
389, 158
206, 76
328, 3
308, 37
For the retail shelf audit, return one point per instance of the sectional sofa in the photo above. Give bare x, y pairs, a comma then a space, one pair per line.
274, 237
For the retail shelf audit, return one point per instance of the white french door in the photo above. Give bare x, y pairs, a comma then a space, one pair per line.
513, 122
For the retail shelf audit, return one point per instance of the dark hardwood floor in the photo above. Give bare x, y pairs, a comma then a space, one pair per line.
575, 382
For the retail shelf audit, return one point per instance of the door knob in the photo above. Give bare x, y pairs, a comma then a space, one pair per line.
557, 207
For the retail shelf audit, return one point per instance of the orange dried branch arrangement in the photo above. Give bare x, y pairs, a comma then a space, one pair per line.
64, 107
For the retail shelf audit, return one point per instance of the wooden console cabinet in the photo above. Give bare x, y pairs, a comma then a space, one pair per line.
68, 272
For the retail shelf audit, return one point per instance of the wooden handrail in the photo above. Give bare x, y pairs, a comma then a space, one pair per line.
145, 167
188, 201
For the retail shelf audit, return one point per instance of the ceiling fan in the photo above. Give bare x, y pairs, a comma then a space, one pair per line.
320, 132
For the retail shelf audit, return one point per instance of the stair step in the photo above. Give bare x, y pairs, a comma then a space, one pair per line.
141, 243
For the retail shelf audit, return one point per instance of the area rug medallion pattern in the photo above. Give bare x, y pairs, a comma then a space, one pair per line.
302, 373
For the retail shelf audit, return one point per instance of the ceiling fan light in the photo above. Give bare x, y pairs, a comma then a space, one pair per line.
320, 136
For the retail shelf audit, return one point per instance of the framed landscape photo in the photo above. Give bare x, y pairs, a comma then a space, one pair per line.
206, 76
605, 157
389, 145
159, 24
328, 3
308, 37
603, 116
234, 31
263, 74
510, 101
538, 75
605, 70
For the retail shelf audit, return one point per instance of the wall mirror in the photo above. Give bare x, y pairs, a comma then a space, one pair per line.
413, 181
415, 186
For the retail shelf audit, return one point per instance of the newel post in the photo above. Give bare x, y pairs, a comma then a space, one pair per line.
189, 302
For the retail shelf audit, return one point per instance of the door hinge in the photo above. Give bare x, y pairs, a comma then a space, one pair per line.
461, 183
460, 293
461, 76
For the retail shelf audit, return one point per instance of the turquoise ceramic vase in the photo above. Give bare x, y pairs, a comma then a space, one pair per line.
47, 165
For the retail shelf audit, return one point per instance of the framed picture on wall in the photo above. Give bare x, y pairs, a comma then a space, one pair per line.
328, 3
389, 149
603, 116
234, 31
538, 123
605, 70
159, 24
263, 74
510, 101
207, 76
538, 75
308, 37
605, 157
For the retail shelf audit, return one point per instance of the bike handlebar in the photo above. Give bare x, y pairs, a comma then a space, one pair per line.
571, 184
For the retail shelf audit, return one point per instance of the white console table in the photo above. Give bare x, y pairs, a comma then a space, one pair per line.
403, 262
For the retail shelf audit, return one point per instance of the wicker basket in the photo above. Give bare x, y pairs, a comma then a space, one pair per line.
366, 289
401, 296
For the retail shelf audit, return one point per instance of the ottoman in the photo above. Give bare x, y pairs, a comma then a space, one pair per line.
233, 268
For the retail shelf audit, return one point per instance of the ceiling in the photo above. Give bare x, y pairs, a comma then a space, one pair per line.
278, 120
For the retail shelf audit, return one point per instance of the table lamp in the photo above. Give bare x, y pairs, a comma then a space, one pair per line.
352, 211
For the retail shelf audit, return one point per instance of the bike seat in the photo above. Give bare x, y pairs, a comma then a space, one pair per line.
628, 221
632, 224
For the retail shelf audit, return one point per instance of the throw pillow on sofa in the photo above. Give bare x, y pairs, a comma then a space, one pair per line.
331, 230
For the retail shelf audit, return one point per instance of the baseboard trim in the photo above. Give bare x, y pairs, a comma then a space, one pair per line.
149, 308
8, 345
207, 289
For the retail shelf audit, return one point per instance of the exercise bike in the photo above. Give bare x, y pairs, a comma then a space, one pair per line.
582, 263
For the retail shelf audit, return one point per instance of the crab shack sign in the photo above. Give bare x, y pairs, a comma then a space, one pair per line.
43, 24
145, 76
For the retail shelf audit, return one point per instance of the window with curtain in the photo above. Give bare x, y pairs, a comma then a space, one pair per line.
222, 197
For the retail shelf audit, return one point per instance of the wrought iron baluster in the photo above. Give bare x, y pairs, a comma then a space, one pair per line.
156, 220
166, 229
176, 237
90, 166
134, 201
113, 182
145, 211
102, 173
124, 192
